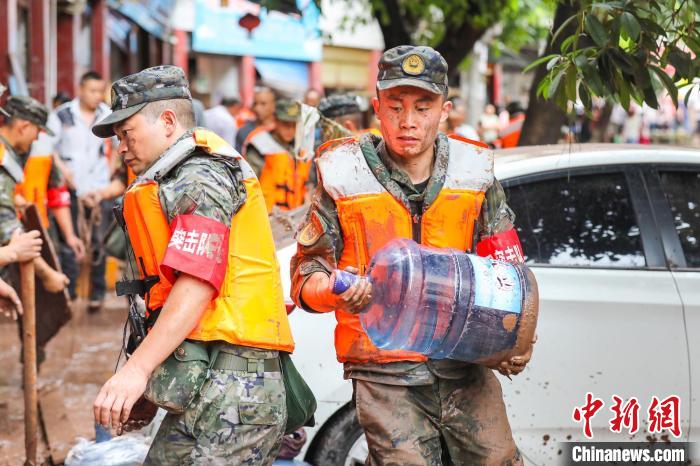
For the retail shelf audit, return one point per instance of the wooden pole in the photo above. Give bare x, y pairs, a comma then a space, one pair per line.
26, 272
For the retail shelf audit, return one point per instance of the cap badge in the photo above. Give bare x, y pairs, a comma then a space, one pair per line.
413, 65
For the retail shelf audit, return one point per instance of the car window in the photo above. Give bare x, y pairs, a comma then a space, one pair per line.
682, 190
578, 220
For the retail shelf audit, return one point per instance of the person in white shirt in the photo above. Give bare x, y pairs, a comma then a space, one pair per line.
222, 119
85, 165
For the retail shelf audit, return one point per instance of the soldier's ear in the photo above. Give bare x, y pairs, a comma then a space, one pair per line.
375, 105
169, 119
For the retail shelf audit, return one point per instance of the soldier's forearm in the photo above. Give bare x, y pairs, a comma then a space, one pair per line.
64, 221
183, 309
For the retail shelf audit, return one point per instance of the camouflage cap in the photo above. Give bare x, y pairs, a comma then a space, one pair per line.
131, 93
407, 65
338, 105
28, 108
287, 110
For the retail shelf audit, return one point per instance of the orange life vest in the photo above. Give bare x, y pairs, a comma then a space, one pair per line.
34, 188
370, 217
510, 135
249, 309
283, 178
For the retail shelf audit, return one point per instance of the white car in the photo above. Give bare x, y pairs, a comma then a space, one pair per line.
612, 233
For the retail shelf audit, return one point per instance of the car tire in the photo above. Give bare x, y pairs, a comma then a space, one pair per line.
333, 443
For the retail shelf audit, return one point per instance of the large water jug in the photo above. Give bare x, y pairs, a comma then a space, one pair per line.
446, 304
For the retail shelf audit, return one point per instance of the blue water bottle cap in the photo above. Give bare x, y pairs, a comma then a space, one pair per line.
342, 281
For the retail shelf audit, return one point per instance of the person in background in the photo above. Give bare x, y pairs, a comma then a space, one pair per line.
344, 110
510, 133
264, 109
489, 124
457, 124
284, 177
83, 159
312, 98
59, 99
222, 119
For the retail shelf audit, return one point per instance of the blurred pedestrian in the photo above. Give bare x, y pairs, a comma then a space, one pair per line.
25, 118
283, 174
61, 98
510, 133
222, 119
344, 110
312, 98
86, 169
264, 109
489, 124
456, 122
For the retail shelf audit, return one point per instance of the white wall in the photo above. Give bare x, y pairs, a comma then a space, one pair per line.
360, 36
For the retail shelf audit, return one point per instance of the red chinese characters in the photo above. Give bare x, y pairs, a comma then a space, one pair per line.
626, 416
503, 246
199, 247
665, 415
586, 412
662, 414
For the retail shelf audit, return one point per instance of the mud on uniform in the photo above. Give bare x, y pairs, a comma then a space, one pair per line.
415, 413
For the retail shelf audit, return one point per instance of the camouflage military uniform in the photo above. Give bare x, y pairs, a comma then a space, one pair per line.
33, 111
237, 416
257, 161
415, 413
8, 213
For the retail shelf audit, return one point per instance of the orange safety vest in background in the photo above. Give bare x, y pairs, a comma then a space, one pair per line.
370, 217
510, 135
283, 178
34, 188
249, 309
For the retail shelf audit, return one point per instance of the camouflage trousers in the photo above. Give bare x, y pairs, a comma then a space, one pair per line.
460, 422
237, 418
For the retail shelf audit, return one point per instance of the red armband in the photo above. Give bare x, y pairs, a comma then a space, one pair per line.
58, 197
199, 247
503, 246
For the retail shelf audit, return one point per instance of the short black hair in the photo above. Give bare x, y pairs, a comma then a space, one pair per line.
91, 75
230, 101
61, 98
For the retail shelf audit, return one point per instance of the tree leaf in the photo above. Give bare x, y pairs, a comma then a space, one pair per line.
554, 84
630, 25
562, 27
585, 97
667, 82
596, 30
539, 61
650, 97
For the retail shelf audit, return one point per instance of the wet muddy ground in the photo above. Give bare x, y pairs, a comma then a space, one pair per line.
78, 361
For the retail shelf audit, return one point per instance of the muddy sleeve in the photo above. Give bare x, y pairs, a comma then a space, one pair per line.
319, 243
496, 216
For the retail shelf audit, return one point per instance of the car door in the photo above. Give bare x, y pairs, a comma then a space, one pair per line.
675, 190
610, 322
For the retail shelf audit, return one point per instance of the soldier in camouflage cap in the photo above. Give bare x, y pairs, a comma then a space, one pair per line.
223, 391
132, 93
284, 176
343, 109
28, 108
407, 65
409, 182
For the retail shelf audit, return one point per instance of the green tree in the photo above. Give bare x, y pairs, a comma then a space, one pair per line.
622, 51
